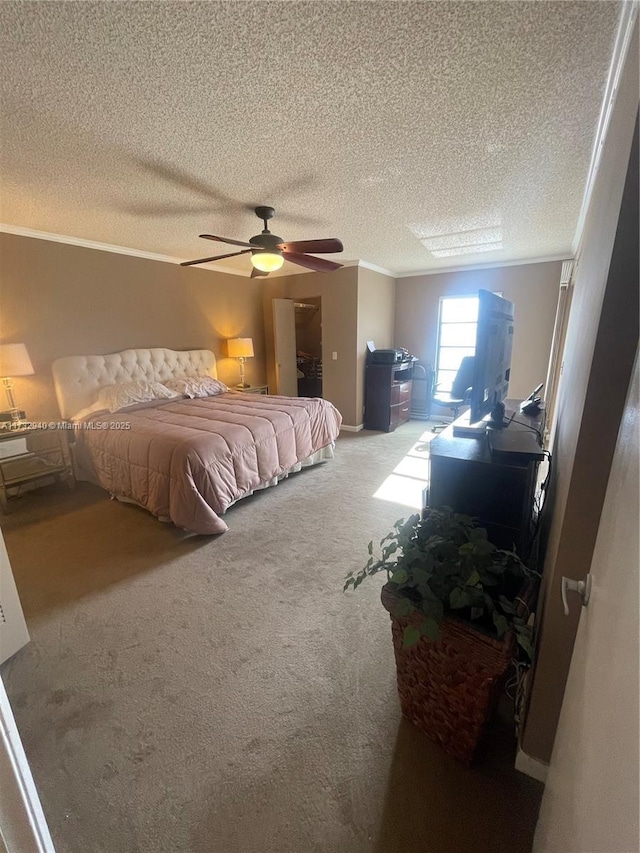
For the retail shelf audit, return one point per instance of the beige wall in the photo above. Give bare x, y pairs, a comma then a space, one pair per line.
66, 300
601, 340
533, 288
357, 305
376, 314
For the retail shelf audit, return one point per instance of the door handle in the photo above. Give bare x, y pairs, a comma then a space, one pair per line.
583, 588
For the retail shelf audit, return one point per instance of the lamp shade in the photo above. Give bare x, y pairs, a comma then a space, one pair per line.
267, 261
14, 360
240, 347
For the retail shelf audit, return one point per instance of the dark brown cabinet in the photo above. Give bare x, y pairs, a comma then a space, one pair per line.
387, 395
501, 491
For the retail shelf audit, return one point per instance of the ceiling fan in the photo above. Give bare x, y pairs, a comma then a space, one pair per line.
269, 252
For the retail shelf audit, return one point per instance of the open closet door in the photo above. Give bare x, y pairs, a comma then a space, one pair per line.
284, 345
13, 628
557, 346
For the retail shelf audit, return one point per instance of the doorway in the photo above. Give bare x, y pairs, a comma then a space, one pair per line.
308, 329
297, 346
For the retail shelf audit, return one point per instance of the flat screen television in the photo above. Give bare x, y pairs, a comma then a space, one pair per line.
492, 365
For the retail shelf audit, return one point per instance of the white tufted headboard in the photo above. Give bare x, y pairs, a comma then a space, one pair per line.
78, 378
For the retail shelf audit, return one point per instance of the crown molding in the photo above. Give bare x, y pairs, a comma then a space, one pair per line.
86, 244
19, 231
621, 47
367, 266
567, 256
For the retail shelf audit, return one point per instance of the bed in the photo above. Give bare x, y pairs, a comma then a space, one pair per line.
186, 460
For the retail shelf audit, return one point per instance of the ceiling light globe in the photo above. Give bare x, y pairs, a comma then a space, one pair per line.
267, 261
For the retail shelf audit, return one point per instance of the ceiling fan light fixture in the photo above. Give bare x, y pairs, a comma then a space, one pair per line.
269, 251
267, 261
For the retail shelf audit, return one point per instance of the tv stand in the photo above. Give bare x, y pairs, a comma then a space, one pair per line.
462, 428
495, 484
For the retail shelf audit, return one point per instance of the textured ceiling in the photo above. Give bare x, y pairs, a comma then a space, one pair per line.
413, 131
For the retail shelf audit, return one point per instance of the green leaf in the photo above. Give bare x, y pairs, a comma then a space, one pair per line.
474, 578
430, 628
410, 636
506, 605
500, 622
477, 533
525, 643
459, 598
402, 607
483, 546
400, 576
432, 606
488, 602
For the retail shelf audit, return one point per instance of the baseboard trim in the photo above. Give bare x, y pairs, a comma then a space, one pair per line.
531, 766
347, 428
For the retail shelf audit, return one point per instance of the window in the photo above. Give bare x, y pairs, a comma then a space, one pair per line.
456, 337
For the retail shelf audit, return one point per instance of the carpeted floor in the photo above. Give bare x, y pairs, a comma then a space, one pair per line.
222, 694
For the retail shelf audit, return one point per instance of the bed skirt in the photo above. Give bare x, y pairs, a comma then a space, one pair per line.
84, 472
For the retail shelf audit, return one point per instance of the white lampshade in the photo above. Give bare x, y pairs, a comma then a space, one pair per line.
14, 360
240, 347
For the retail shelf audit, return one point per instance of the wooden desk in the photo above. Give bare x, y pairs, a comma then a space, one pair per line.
499, 491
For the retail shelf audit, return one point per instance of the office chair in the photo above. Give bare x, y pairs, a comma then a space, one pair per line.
460, 390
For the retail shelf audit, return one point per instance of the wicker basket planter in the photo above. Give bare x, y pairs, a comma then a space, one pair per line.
460, 610
449, 687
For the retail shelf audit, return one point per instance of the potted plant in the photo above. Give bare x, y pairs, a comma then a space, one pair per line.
459, 608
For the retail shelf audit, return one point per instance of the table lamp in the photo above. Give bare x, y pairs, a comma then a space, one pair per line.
240, 348
14, 361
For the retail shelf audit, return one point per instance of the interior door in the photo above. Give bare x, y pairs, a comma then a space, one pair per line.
557, 346
284, 346
591, 798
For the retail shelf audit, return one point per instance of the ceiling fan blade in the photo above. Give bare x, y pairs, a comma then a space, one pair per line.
255, 273
215, 258
184, 179
167, 209
227, 240
311, 263
319, 247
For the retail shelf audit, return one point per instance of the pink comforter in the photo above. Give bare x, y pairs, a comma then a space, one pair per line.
191, 459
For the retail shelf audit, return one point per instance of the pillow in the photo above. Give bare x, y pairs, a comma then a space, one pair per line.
196, 386
116, 397
90, 410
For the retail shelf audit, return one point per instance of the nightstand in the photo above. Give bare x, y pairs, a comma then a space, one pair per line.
26, 465
252, 389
